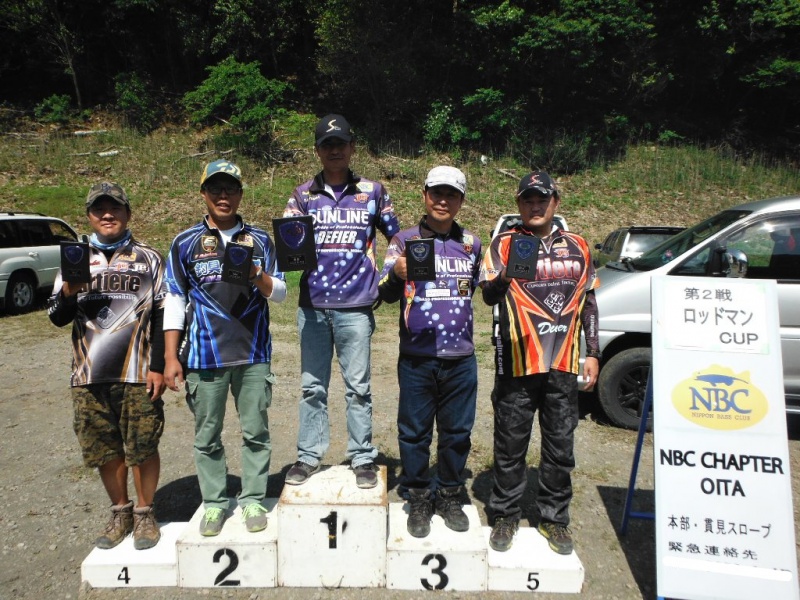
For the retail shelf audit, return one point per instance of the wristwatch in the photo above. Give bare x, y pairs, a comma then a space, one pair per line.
259, 271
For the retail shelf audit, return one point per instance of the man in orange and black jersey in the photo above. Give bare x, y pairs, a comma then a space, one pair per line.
536, 361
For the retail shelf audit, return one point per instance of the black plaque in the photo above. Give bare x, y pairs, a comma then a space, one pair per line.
236, 264
421, 260
75, 262
523, 254
294, 243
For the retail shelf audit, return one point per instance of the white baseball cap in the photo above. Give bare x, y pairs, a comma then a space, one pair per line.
449, 176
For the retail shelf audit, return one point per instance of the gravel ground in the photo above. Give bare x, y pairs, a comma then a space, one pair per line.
53, 506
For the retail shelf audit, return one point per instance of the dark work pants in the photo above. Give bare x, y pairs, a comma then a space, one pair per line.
516, 400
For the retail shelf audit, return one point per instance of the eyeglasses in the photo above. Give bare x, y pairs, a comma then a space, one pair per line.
216, 190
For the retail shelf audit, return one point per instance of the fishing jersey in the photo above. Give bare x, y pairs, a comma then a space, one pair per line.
226, 324
111, 323
435, 316
346, 275
541, 319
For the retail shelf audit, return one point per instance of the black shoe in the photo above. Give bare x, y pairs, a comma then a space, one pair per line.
299, 473
448, 506
558, 536
503, 533
366, 475
421, 510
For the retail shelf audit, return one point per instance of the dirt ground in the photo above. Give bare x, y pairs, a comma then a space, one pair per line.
52, 507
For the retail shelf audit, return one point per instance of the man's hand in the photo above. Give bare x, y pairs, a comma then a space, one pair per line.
71, 289
173, 374
591, 367
155, 385
401, 267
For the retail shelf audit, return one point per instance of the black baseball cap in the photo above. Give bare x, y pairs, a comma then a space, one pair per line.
538, 181
332, 126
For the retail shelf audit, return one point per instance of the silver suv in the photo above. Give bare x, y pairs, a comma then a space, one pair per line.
30, 257
757, 240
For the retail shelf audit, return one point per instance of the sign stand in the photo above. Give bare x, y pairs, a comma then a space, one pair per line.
627, 513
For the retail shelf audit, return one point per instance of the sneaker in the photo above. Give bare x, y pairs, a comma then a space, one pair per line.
558, 536
448, 506
421, 510
119, 525
503, 533
212, 521
366, 475
255, 517
299, 473
145, 529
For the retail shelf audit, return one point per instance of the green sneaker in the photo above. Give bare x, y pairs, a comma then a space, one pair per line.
255, 517
212, 521
558, 536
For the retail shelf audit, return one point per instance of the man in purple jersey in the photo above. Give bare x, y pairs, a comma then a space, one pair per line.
336, 298
436, 369
118, 361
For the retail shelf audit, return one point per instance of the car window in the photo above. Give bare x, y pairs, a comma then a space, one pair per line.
60, 232
9, 235
638, 243
620, 239
35, 233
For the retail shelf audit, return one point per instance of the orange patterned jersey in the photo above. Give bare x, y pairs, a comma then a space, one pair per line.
540, 319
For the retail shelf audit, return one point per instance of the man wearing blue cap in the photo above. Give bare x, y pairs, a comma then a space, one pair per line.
226, 344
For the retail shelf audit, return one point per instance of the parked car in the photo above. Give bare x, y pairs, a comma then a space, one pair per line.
30, 257
631, 242
761, 239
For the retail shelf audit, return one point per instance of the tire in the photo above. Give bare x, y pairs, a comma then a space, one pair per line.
20, 294
621, 387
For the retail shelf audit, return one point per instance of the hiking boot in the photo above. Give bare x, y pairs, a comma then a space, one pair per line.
255, 517
558, 536
145, 529
212, 521
119, 525
420, 512
299, 473
503, 533
366, 475
448, 506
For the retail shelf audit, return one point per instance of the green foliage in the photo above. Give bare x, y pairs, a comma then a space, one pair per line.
239, 95
54, 109
135, 102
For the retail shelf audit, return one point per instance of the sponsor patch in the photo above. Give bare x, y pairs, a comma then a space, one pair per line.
208, 243
361, 198
365, 186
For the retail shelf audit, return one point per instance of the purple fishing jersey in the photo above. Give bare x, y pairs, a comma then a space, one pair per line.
346, 275
435, 316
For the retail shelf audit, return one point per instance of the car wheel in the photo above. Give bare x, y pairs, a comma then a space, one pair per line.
20, 293
621, 387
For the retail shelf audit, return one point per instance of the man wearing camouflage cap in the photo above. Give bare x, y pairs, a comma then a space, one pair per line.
118, 361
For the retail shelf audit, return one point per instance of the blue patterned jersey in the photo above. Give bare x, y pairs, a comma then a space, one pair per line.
435, 316
226, 324
346, 275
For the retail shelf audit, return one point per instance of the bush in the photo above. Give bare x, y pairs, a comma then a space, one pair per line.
54, 109
135, 102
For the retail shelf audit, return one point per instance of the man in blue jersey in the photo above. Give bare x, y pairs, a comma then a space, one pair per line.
336, 298
436, 369
226, 344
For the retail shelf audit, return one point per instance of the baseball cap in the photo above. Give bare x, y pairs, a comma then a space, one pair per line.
106, 189
449, 176
221, 166
538, 181
332, 126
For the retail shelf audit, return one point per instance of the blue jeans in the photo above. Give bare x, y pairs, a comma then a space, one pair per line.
207, 397
444, 391
349, 331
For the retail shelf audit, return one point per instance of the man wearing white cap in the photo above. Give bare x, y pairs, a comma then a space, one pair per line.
436, 369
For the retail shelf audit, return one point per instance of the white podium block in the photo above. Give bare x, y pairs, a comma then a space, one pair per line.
531, 566
332, 533
443, 560
124, 566
234, 558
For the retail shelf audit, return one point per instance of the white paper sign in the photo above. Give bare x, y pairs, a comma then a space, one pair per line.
724, 519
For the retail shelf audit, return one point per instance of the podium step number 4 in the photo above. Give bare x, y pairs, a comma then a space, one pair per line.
329, 533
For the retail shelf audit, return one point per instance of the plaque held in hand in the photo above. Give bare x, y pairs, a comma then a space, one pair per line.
75, 262
523, 254
421, 260
294, 243
237, 263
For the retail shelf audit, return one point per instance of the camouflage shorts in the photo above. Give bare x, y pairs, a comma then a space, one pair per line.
116, 419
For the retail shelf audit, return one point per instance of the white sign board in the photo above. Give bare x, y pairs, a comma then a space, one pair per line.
724, 519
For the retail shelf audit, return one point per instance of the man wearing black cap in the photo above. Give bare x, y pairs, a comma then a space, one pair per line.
118, 362
536, 359
336, 298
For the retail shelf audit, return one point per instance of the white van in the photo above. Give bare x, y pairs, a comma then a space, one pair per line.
757, 240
